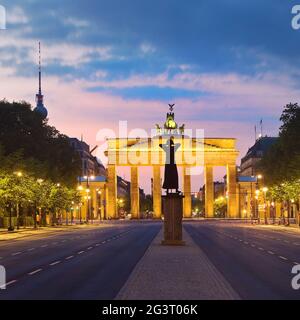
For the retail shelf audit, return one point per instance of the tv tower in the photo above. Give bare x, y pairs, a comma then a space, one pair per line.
40, 108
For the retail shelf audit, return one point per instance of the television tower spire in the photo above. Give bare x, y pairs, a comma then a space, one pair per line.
40, 70
40, 108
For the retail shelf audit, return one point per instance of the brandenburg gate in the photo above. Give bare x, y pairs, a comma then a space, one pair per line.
194, 152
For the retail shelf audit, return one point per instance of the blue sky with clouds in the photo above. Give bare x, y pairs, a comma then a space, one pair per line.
226, 64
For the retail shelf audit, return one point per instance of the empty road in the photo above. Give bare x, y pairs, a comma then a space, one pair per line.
95, 262
86, 263
256, 262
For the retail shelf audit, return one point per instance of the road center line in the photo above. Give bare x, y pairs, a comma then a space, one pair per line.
10, 282
80, 252
54, 263
70, 257
283, 258
271, 252
31, 249
34, 272
16, 253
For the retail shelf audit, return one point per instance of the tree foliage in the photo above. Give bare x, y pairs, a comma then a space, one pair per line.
28, 143
281, 164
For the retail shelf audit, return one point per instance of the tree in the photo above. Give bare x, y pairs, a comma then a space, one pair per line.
282, 162
29, 142
16, 192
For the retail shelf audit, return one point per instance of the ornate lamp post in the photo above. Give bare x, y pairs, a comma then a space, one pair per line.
19, 174
265, 190
256, 213
88, 179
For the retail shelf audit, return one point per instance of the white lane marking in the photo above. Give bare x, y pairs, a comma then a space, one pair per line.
54, 243
271, 252
296, 244
89, 248
10, 282
98, 244
287, 241
16, 253
246, 242
31, 249
44, 246
261, 249
253, 245
54, 263
80, 252
103, 242
283, 258
296, 263
34, 272
70, 257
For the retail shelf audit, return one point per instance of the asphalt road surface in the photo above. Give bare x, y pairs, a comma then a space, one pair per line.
88, 263
95, 262
256, 262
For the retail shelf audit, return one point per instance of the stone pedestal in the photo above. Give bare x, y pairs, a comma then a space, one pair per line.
173, 213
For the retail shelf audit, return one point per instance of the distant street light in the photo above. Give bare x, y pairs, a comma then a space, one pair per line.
88, 179
19, 174
265, 190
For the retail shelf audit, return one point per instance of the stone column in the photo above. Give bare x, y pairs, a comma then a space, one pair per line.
106, 203
112, 192
156, 192
209, 192
101, 205
278, 210
231, 192
94, 209
135, 193
187, 200
249, 199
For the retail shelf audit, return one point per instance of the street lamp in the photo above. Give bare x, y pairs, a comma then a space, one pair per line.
265, 190
257, 192
88, 179
19, 174
39, 181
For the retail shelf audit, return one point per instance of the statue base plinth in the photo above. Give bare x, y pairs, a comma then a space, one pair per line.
173, 213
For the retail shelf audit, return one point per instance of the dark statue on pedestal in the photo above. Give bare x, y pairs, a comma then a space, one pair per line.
172, 201
171, 173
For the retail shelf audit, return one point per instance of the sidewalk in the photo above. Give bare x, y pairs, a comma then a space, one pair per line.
22, 233
176, 273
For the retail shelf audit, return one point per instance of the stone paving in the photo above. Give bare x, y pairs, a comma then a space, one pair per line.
176, 273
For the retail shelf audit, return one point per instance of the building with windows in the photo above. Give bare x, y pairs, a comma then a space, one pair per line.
90, 164
254, 155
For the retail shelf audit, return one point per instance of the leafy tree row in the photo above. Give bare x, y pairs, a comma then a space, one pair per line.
24, 195
281, 164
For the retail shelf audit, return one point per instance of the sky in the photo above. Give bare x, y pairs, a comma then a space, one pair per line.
226, 64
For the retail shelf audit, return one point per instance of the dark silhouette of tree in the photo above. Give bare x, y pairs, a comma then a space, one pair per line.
282, 162
28, 143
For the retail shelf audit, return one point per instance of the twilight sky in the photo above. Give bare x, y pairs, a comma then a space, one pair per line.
226, 64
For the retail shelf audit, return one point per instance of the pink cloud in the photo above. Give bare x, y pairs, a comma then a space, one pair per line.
75, 111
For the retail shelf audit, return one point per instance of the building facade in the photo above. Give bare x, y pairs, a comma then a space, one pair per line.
90, 165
